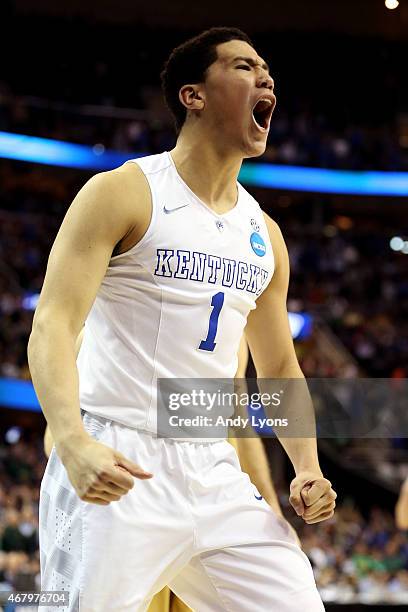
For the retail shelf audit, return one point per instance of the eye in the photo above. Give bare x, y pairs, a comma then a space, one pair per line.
244, 67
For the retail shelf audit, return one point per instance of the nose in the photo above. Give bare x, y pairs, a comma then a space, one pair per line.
265, 81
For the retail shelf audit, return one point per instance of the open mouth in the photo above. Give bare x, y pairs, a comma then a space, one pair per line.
262, 112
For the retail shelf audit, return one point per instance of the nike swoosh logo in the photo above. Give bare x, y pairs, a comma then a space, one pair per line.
170, 210
256, 496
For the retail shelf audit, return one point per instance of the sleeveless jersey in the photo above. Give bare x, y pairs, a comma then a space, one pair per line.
175, 305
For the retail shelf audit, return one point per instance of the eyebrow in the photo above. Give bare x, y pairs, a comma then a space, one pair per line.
251, 62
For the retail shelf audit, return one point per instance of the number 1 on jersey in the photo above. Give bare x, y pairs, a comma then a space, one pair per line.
217, 302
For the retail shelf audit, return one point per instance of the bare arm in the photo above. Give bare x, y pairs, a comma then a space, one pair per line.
103, 213
251, 451
76, 267
271, 345
48, 441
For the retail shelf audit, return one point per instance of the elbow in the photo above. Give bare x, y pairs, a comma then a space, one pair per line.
49, 331
40, 330
32, 346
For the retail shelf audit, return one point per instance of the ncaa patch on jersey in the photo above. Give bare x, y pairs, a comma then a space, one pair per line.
257, 244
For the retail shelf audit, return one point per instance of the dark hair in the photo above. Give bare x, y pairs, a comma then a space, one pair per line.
189, 62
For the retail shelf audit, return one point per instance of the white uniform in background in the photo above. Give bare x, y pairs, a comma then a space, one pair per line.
173, 306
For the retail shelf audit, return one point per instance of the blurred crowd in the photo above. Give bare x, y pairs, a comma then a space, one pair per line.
345, 109
358, 559
21, 467
25, 241
348, 275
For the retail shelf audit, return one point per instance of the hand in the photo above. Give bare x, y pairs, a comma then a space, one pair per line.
312, 497
98, 473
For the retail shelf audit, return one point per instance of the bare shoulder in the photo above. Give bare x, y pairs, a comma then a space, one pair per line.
129, 173
126, 187
118, 200
110, 207
137, 199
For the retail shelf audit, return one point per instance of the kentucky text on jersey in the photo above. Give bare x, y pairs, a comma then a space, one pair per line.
203, 267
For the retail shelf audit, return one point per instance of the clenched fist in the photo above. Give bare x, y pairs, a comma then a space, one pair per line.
98, 473
312, 497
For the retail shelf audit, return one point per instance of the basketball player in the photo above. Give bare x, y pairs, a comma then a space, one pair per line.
167, 259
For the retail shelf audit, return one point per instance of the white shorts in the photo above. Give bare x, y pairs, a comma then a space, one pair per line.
197, 526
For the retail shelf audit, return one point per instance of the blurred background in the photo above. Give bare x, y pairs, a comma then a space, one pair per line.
79, 93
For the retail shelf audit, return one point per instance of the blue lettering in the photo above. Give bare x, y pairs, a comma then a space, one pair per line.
254, 273
163, 262
197, 273
182, 269
196, 265
229, 269
242, 269
214, 263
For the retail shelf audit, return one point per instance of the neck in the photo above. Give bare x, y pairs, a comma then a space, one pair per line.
208, 169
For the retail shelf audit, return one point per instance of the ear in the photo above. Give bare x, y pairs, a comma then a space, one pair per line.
191, 97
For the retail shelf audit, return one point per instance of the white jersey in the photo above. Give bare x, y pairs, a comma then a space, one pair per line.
175, 305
